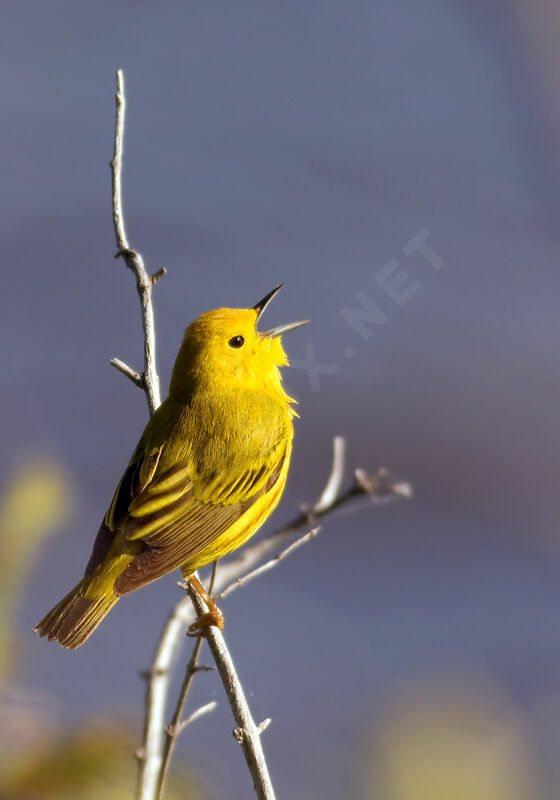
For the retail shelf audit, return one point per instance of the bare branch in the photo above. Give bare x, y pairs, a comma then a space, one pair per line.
157, 275
249, 734
168, 646
377, 488
134, 376
268, 566
157, 690
133, 259
176, 726
381, 484
332, 488
200, 712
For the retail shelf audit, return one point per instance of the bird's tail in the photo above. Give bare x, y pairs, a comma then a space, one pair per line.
75, 618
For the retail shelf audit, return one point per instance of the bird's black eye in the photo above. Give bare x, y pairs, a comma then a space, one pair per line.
236, 341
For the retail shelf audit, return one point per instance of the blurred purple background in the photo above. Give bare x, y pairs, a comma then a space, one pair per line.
304, 143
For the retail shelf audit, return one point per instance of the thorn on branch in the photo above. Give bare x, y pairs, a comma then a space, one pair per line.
127, 252
157, 275
381, 484
262, 726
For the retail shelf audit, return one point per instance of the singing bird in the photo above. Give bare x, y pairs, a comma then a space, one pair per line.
208, 470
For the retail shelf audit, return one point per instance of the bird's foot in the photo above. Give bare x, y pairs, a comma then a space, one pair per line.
213, 617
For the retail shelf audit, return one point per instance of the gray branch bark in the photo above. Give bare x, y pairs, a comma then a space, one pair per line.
247, 733
135, 263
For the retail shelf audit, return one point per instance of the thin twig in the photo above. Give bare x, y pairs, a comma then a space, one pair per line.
134, 376
200, 712
334, 483
256, 573
379, 487
134, 261
247, 732
176, 726
172, 730
157, 685
157, 690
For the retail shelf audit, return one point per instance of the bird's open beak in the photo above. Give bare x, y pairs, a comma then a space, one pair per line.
262, 304
280, 329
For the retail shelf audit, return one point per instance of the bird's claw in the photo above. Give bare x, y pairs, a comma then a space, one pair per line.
199, 626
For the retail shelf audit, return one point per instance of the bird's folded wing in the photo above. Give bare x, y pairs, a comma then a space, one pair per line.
176, 518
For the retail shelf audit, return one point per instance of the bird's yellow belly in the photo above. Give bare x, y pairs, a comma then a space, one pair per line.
243, 529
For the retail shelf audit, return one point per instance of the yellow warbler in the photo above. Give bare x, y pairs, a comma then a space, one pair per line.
208, 470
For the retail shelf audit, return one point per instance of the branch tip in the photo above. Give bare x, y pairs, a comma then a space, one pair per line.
262, 726
130, 373
331, 491
200, 712
403, 489
158, 275
381, 484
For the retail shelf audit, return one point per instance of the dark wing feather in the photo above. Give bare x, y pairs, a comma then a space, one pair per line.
136, 477
192, 526
101, 547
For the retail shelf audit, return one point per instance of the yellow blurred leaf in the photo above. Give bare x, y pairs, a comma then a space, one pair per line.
35, 503
95, 761
451, 743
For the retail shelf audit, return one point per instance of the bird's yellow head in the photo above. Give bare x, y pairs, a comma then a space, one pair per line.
223, 348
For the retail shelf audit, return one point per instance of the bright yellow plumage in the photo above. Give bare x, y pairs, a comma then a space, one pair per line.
208, 470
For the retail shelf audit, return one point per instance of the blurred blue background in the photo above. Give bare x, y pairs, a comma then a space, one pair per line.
305, 143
